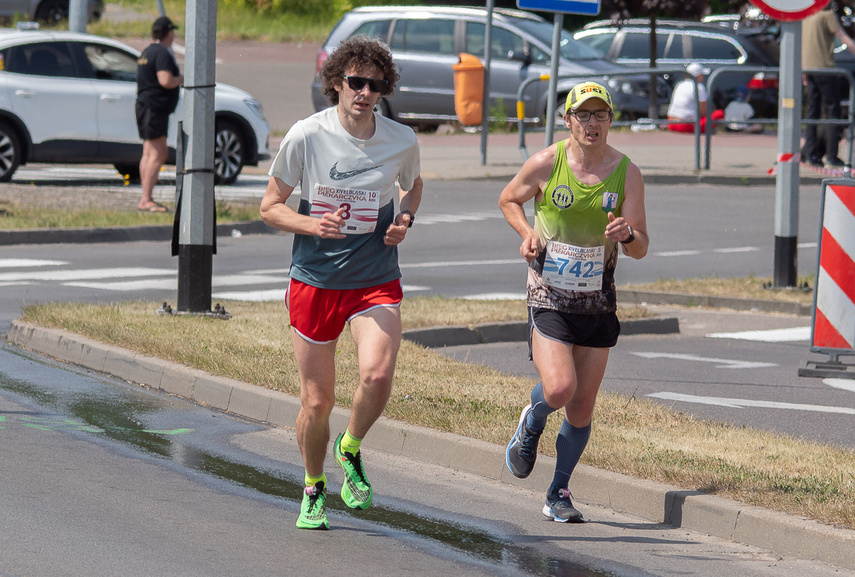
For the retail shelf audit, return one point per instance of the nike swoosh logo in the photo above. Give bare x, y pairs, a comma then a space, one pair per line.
336, 175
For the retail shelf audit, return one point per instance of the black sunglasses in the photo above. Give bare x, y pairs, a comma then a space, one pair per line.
358, 83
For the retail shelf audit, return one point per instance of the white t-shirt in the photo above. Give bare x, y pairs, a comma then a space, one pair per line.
683, 100
335, 169
736, 113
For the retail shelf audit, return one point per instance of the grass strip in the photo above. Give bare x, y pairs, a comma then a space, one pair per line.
19, 216
750, 287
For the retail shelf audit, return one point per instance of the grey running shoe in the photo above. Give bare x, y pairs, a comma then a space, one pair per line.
522, 450
561, 508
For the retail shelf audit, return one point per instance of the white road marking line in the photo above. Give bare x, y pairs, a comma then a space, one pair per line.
843, 384
425, 219
795, 334
720, 363
678, 253
126, 286
447, 263
29, 262
278, 294
737, 249
745, 403
84, 274
252, 296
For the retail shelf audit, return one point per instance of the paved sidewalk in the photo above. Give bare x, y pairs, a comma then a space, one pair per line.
663, 157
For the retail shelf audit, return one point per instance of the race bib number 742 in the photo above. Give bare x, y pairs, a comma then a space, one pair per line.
360, 207
573, 268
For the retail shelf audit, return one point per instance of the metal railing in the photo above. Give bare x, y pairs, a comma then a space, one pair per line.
634, 72
714, 76
725, 70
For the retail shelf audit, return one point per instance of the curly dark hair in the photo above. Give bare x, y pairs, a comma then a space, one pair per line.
358, 51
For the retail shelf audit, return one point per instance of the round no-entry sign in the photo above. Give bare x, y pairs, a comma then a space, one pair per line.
789, 10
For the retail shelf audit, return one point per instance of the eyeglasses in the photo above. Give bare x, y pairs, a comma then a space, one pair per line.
358, 83
585, 115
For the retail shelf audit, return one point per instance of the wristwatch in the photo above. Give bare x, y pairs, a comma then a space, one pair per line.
412, 218
631, 235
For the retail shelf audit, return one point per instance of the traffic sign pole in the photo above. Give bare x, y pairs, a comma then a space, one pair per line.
790, 13
552, 95
560, 7
789, 140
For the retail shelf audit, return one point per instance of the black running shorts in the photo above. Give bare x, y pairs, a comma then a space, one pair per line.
595, 331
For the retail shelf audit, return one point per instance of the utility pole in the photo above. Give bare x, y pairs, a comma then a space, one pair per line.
196, 227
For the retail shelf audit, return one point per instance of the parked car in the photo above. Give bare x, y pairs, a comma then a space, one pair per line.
69, 98
427, 40
713, 44
51, 11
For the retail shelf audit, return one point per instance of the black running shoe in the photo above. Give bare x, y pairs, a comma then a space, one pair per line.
522, 450
561, 508
832, 162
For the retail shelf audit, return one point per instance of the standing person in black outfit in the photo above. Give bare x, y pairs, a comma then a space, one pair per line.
823, 90
158, 82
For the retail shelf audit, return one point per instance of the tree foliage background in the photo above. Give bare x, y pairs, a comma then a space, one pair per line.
691, 9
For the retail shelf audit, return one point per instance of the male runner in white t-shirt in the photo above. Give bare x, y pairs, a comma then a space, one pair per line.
350, 164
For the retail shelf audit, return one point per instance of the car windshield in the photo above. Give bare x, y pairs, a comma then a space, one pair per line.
571, 49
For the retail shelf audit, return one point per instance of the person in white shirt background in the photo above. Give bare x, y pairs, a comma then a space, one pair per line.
683, 109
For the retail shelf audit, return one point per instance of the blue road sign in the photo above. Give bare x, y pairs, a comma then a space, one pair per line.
589, 7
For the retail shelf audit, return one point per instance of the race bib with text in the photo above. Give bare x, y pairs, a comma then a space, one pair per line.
574, 268
360, 207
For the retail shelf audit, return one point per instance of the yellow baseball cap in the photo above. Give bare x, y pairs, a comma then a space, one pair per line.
586, 91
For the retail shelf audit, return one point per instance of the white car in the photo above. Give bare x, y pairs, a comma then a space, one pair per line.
69, 98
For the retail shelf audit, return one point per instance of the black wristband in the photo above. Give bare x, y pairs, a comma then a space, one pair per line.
412, 218
631, 235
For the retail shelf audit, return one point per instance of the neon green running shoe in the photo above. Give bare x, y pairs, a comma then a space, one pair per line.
356, 492
313, 512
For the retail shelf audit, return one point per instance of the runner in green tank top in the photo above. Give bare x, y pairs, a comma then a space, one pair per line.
588, 199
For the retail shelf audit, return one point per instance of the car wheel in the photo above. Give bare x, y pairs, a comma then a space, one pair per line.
426, 128
52, 11
558, 113
382, 108
229, 152
10, 153
130, 172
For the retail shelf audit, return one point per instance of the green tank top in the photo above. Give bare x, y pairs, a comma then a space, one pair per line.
577, 214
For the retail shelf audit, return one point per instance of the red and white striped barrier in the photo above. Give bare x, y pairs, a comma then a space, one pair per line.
784, 157
833, 330
834, 325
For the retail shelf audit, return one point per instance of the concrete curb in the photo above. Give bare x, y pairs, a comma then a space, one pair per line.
722, 518
116, 234
435, 337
